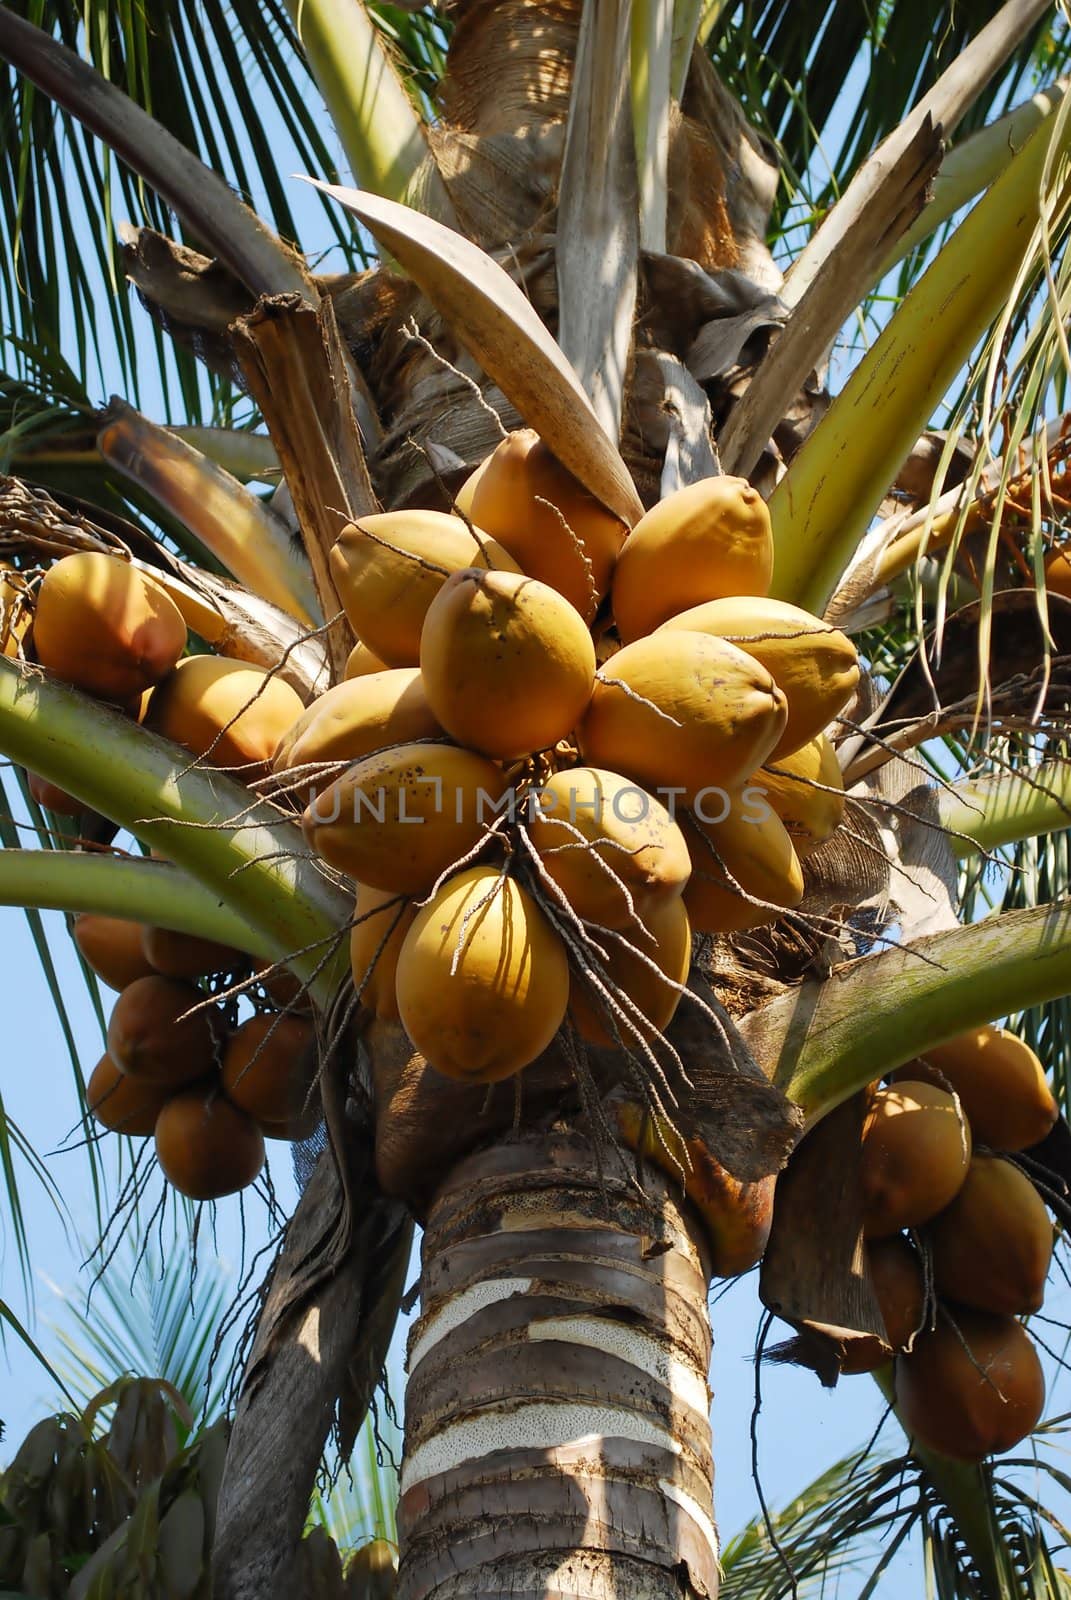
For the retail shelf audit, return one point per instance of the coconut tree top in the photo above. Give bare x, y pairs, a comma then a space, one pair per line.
560, 492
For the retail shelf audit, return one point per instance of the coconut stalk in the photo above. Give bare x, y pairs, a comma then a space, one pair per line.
944, 106
963, 1489
822, 507
243, 454
652, 63
824, 1042
244, 534
373, 115
1005, 807
147, 891
598, 231
201, 197
236, 847
972, 166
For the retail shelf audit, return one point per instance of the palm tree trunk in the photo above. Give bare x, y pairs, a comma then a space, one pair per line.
558, 1440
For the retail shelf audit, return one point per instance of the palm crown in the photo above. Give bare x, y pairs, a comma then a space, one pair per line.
634, 231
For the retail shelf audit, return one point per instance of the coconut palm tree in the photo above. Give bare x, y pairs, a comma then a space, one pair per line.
637, 229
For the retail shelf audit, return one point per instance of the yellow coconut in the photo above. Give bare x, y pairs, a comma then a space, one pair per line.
231, 714
356, 718
806, 790
554, 529
643, 976
381, 922
604, 841
1001, 1084
508, 665
972, 1388
682, 713
753, 843
361, 660
104, 626
915, 1154
813, 664
398, 819
712, 904
993, 1245
388, 568
705, 542
482, 978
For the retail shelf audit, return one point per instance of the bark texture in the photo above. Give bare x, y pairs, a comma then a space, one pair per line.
319, 1338
558, 1439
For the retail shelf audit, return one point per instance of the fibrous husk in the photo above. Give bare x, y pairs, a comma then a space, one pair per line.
813, 1273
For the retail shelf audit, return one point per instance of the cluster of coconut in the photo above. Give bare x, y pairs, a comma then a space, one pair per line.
535, 834
936, 1160
175, 1067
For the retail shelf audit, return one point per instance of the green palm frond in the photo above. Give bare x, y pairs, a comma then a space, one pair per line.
230, 84
148, 1315
791, 64
832, 1527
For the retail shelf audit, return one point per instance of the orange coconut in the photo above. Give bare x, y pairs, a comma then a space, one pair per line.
104, 626
992, 1245
508, 665
123, 1104
554, 529
361, 661
643, 976
357, 717
682, 712
112, 947
815, 666
915, 1154
606, 842
389, 567
269, 1068
381, 922
161, 1031
973, 1389
206, 1146
806, 790
707, 541
897, 1281
183, 955
1001, 1084
398, 819
231, 714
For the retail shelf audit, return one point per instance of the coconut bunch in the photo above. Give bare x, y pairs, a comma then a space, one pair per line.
559, 751
958, 1240
179, 1066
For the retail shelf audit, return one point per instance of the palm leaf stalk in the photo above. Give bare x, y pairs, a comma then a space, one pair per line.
201, 820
